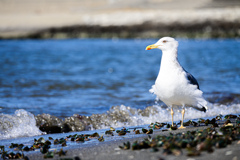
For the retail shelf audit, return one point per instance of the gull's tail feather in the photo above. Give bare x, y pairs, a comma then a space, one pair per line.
203, 108
202, 105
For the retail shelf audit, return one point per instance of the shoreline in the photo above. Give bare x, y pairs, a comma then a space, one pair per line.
203, 30
119, 19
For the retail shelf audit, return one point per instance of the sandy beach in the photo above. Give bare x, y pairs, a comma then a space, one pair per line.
115, 18
110, 150
207, 134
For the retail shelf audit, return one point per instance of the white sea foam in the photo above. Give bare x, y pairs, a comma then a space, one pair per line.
21, 124
160, 114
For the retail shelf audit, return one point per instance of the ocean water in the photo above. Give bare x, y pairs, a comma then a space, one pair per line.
87, 77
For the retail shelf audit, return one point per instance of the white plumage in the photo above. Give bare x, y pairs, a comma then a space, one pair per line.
174, 85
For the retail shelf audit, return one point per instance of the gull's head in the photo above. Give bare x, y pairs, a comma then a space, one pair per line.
165, 43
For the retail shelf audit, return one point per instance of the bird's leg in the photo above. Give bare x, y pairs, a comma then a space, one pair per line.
183, 112
172, 114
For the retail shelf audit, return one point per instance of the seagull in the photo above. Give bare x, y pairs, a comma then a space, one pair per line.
174, 85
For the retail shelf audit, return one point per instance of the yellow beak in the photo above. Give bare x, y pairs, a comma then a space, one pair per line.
153, 46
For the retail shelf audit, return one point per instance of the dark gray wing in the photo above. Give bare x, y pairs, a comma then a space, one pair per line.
192, 80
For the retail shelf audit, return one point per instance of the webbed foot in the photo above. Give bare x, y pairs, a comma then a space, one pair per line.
181, 127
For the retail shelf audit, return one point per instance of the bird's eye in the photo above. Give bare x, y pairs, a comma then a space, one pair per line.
164, 41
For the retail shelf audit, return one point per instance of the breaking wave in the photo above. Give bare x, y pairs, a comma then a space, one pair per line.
119, 116
23, 123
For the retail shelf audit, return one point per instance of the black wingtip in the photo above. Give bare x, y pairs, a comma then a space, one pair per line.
204, 109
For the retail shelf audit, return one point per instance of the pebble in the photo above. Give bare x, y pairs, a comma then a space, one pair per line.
131, 157
228, 153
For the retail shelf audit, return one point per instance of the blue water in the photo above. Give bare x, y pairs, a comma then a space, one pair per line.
88, 76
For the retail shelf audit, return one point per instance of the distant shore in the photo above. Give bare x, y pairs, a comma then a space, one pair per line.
203, 30
119, 19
